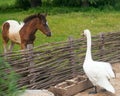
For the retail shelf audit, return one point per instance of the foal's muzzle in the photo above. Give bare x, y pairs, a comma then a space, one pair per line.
49, 34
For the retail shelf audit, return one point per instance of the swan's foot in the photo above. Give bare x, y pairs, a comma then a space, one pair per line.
103, 90
93, 92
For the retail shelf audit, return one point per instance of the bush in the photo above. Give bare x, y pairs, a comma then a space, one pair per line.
24, 4
66, 2
117, 5
8, 79
88, 3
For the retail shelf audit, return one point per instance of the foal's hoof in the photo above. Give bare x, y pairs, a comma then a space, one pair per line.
92, 92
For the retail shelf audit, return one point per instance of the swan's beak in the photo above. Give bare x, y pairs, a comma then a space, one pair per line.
82, 35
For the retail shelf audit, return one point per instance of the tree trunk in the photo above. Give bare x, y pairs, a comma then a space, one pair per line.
85, 3
35, 3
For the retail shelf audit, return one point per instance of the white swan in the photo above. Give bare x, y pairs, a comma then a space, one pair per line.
98, 73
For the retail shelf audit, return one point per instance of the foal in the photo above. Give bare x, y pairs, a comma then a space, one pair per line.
24, 33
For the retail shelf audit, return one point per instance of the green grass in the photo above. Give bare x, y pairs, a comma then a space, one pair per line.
70, 22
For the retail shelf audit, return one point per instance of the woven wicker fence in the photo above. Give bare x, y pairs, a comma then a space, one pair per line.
49, 64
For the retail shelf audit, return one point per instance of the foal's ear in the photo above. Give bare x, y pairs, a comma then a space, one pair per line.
45, 14
38, 14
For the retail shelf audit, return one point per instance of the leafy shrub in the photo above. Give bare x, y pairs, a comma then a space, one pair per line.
24, 4
66, 2
86, 3
117, 4
8, 79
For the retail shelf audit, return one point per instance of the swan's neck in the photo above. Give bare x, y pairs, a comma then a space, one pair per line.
88, 52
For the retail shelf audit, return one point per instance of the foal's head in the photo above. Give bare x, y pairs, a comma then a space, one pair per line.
41, 23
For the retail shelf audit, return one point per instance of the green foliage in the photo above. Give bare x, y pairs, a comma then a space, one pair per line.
8, 79
101, 3
86, 3
117, 5
24, 4
66, 2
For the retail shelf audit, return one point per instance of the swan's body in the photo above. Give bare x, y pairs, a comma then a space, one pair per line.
98, 73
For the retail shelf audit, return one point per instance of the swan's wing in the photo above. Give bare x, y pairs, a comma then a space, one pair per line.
92, 73
93, 78
104, 83
109, 70
105, 69
97, 70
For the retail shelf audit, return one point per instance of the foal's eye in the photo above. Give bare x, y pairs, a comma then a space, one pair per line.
44, 23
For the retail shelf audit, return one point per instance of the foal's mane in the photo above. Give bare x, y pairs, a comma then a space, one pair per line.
27, 19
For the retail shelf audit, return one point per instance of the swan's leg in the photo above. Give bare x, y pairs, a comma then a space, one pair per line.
11, 46
95, 90
103, 90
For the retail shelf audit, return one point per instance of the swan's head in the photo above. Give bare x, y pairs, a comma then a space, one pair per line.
86, 32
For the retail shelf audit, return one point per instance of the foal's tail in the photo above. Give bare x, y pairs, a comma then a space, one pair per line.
5, 31
5, 28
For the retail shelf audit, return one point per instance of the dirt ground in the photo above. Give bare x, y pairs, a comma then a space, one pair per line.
115, 82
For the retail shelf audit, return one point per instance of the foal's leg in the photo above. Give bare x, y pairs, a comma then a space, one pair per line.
5, 41
5, 47
11, 46
23, 46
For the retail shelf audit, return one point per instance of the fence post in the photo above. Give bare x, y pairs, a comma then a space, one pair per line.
31, 65
101, 44
72, 56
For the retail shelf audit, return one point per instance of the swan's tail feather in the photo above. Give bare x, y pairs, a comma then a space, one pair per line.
111, 72
106, 85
